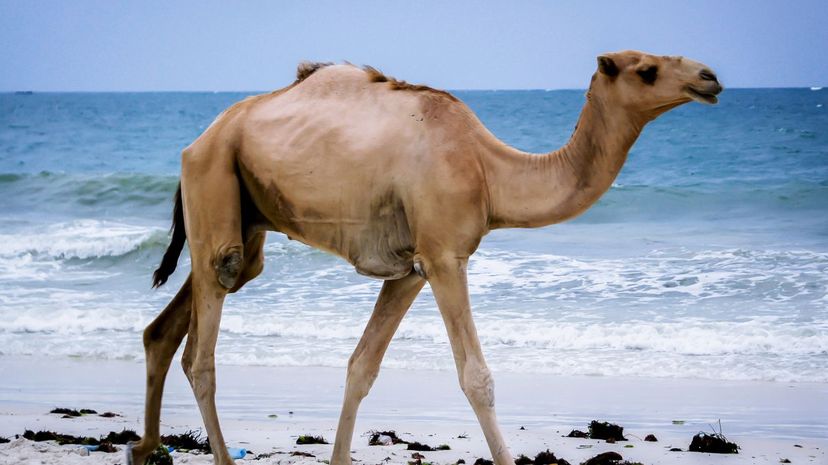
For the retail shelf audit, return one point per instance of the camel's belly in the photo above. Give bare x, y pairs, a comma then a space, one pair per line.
372, 234
379, 249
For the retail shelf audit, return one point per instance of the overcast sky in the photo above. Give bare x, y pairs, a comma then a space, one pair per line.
80, 45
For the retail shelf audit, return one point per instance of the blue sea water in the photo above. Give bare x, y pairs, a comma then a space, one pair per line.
708, 258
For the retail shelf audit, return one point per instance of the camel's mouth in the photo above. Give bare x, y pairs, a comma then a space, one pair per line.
702, 96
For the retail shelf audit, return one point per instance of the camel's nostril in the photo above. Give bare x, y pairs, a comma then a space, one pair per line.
707, 75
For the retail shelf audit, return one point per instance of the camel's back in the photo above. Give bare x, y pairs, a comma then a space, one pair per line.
337, 161
368, 108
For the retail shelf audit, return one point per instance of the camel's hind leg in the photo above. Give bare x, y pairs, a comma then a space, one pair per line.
393, 302
212, 212
161, 339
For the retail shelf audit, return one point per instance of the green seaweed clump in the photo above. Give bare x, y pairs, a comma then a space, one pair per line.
189, 440
160, 456
306, 439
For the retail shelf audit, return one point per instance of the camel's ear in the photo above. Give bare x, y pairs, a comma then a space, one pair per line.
607, 66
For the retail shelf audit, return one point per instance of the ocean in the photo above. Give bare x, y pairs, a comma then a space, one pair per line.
708, 258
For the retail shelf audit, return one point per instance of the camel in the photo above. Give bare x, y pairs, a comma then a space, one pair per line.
400, 180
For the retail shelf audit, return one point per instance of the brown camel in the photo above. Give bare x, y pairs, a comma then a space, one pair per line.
402, 181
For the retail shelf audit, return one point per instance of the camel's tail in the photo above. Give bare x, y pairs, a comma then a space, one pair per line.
170, 260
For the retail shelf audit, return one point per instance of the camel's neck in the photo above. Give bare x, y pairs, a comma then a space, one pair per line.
535, 190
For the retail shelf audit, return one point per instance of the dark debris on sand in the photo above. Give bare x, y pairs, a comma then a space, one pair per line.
4, 440
606, 458
61, 439
105, 443
482, 461
125, 436
66, 412
543, 458
419, 446
306, 439
609, 458
109, 415
605, 430
714, 443
70, 413
160, 456
576, 433
189, 440
651, 438
548, 458
107, 447
374, 439
299, 453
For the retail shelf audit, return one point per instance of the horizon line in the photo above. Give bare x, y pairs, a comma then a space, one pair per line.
33, 91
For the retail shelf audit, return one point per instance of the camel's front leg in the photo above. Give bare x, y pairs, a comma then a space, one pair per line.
393, 302
448, 281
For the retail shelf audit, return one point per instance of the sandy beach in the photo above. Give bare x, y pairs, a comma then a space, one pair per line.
769, 421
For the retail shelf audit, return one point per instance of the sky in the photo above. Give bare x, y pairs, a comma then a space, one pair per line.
205, 45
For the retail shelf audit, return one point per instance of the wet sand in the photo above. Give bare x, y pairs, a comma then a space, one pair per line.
766, 419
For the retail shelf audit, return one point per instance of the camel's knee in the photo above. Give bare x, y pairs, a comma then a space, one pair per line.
153, 334
203, 380
252, 267
158, 344
361, 375
477, 383
228, 266
187, 363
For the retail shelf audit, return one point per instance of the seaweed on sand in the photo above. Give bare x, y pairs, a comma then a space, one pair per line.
125, 436
189, 440
61, 439
160, 456
4, 440
105, 443
420, 447
66, 412
378, 438
106, 446
548, 458
714, 443
606, 458
605, 430
306, 439
523, 460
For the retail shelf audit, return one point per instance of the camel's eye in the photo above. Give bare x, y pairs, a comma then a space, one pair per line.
649, 74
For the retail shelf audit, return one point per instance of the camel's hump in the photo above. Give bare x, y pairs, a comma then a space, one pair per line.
307, 68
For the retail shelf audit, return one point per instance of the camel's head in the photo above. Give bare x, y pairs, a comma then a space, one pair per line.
652, 84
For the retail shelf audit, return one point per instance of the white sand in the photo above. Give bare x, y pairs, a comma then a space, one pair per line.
765, 419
